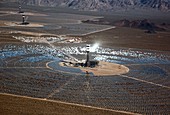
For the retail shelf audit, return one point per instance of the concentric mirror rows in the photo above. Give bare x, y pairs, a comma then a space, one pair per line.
145, 89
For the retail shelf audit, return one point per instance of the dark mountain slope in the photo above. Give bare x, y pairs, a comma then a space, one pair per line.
103, 4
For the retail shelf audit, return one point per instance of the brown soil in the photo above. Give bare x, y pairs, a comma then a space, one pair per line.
131, 38
20, 105
2, 23
7, 37
105, 69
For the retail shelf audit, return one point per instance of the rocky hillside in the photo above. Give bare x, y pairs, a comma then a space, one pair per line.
143, 24
103, 4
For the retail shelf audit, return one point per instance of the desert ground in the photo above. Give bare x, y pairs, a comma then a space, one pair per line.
33, 82
103, 69
19, 105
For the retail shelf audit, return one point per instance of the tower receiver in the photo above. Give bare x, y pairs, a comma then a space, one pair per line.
87, 64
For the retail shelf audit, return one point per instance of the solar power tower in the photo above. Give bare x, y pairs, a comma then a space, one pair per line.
87, 64
24, 20
20, 9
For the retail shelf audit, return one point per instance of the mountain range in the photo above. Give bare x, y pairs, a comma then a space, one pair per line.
96, 5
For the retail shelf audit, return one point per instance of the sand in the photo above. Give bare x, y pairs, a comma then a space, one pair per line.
104, 69
21, 25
